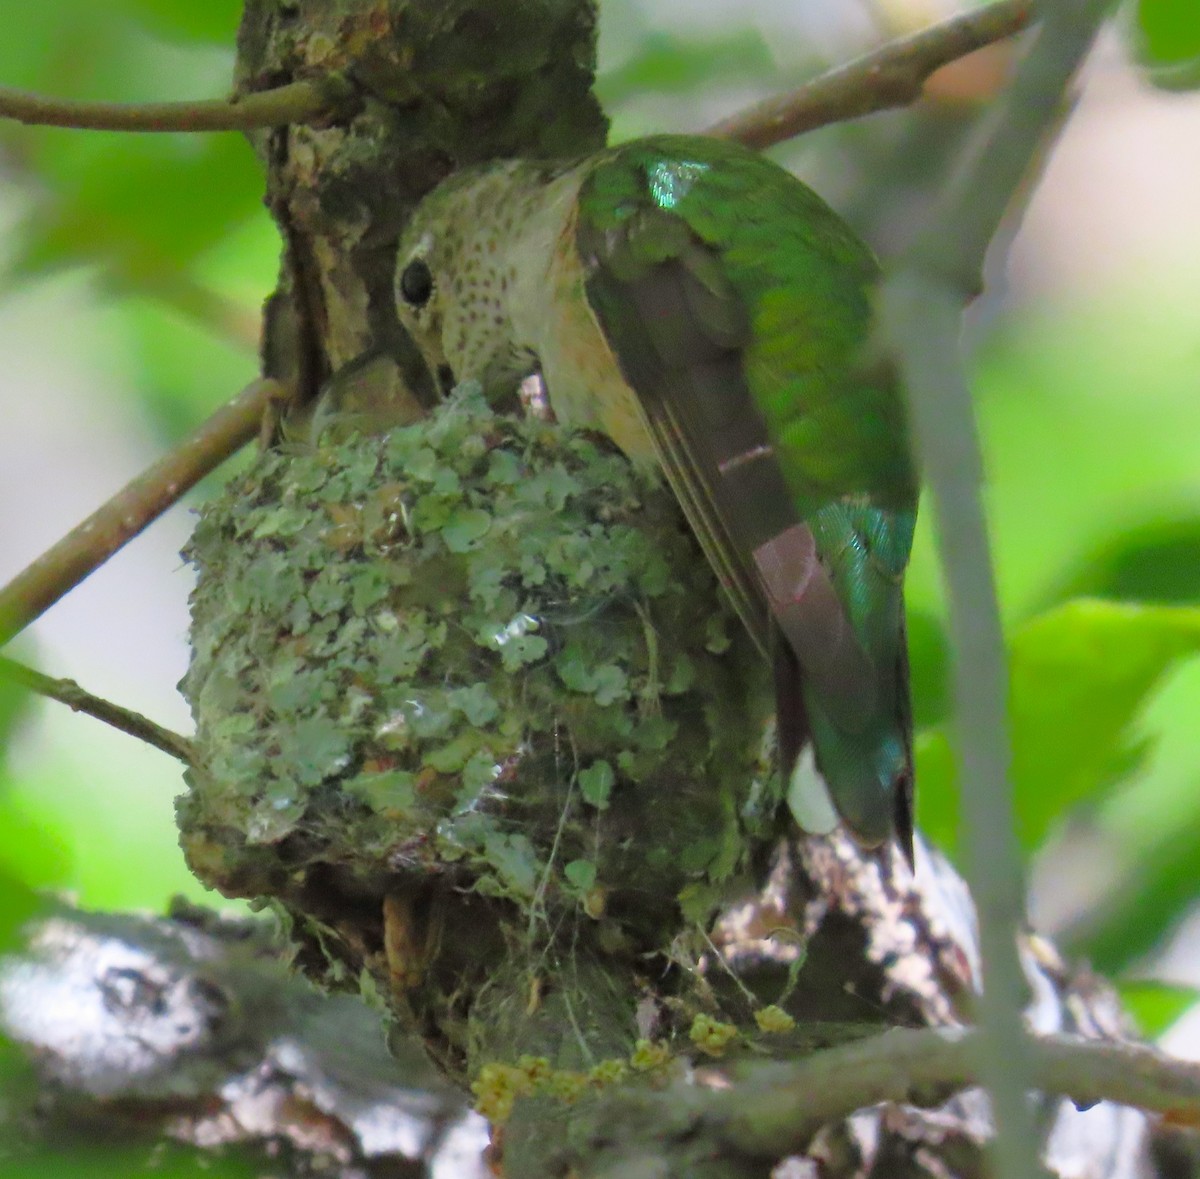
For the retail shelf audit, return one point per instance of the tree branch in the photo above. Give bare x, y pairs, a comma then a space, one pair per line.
68, 692
111, 526
782, 1106
311, 101
891, 76
191, 1029
920, 314
757, 1112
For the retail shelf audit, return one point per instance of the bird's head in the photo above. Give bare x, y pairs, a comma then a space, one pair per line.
456, 275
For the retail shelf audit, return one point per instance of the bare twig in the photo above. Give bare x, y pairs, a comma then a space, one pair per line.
68, 692
779, 1109
90, 544
920, 315
893, 75
310, 101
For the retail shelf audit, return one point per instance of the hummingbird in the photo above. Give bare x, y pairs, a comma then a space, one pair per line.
706, 311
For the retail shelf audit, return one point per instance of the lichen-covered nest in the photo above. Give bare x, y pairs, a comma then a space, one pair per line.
479, 650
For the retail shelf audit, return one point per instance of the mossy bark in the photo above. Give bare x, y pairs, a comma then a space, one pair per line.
441, 84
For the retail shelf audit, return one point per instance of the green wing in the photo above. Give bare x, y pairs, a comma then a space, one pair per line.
736, 304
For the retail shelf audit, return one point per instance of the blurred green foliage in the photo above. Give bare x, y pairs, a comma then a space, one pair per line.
214, 20
101, 1161
1155, 1006
18, 901
669, 65
1169, 42
1089, 417
151, 216
1079, 675
143, 206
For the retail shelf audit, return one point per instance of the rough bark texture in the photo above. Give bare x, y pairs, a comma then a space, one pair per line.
191, 1029
442, 85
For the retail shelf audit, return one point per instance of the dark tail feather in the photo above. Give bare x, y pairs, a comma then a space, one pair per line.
791, 725
905, 799
903, 817
794, 730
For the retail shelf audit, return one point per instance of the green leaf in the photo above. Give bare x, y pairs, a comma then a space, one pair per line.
32, 854
145, 205
13, 701
519, 648
388, 790
1158, 561
607, 682
515, 861
315, 748
283, 521
37, 37
929, 667
1078, 676
476, 703
164, 1160
936, 776
181, 359
1156, 1005
596, 783
580, 873
681, 678
454, 755
716, 634
1169, 42
464, 528
479, 773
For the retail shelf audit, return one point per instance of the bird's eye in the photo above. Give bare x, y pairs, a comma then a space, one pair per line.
416, 283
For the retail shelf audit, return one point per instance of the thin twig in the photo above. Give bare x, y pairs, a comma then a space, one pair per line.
779, 1108
62, 567
68, 692
311, 101
920, 315
891, 76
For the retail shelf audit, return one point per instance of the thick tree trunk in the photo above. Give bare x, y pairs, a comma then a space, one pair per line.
442, 85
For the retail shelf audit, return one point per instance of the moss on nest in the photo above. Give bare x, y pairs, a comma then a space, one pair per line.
480, 650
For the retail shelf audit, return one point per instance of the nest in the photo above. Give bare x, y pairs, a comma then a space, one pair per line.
478, 661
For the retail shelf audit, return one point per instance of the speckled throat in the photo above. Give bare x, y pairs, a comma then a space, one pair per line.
512, 298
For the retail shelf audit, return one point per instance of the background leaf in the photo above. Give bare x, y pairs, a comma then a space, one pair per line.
145, 206
1078, 676
1155, 1006
668, 64
1169, 42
